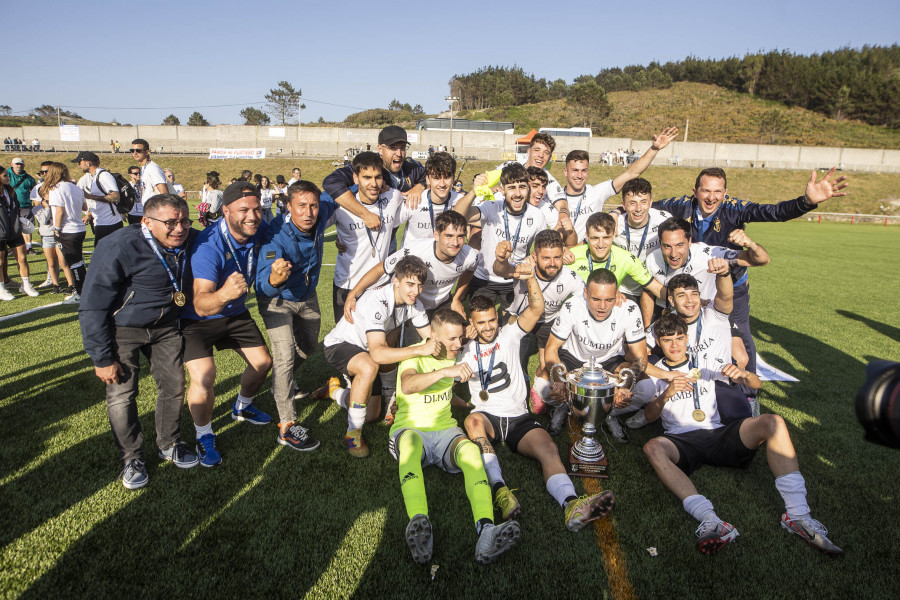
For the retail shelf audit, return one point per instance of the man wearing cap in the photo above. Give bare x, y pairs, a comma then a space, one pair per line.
130, 303
153, 180
222, 269
101, 193
21, 183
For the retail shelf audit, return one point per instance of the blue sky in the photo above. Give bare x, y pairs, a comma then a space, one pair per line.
196, 53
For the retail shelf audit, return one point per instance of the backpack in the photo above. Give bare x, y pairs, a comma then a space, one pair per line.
203, 213
127, 195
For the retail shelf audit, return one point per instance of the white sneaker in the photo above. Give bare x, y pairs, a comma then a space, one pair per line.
495, 540
75, 298
5, 294
27, 288
47, 283
636, 421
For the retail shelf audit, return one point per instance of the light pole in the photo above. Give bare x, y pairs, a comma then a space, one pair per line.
451, 100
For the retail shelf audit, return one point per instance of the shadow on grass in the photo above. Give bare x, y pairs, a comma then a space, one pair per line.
54, 311
890, 331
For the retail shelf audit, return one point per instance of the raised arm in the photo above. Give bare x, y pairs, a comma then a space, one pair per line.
724, 300
383, 354
532, 314
463, 204
637, 168
753, 254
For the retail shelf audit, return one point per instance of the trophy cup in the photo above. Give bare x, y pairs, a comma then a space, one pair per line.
590, 390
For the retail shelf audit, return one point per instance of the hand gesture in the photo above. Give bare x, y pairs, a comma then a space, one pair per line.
733, 372
281, 270
719, 266
568, 258
413, 198
662, 140
349, 307
740, 238
234, 287
111, 374
460, 372
371, 220
471, 332
565, 223
431, 347
503, 251
480, 179
820, 191
558, 391
678, 385
622, 398
524, 270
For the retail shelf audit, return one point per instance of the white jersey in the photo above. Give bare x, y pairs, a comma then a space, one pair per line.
566, 283
709, 339
505, 382
590, 201
551, 215
151, 176
696, 265
495, 223
365, 247
677, 413
69, 198
554, 189
101, 184
640, 242
376, 311
441, 276
420, 222
585, 336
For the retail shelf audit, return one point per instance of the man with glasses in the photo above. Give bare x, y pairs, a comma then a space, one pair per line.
137, 211
177, 188
130, 304
153, 180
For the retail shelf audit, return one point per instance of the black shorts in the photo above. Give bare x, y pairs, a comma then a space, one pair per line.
721, 447
573, 363
511, 430
339, 356
338, 299
542, 332
227, 333
14, 242
493, 290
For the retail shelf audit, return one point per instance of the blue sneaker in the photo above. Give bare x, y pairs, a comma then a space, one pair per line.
206, 450
251, 414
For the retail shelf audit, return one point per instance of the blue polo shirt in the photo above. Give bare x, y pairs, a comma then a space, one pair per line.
212, 259
303, 251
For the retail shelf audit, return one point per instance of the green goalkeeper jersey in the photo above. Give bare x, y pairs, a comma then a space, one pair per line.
428, 410
620, 262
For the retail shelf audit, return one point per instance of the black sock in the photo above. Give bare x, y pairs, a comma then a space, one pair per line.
569, 499
497, 486
479, 525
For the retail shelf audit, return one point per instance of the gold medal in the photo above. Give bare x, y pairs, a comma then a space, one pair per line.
179, 298
699, 415
695, 374
373, 251
483, 394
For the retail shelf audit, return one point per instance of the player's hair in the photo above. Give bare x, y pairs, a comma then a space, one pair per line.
303, 187
143, 143
367, 160
601, 220
674, 224
670, 324
411, 266
296, 169
154, 203
577, 155
538, 174
545, 139
513, 173
716, 172
638, 186
480, 304
447, 316
548, 238
440, 164
602, 276
682, 280
449, 219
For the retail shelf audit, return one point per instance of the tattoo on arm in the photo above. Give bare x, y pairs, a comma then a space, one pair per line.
639, 366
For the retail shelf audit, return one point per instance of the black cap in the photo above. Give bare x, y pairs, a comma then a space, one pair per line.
238, 190
86, 155
391, 135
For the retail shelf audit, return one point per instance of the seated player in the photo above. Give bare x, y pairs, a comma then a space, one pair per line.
501, 413
357, 349
425, 433
694, 435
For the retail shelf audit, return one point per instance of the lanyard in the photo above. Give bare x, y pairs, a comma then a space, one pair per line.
223, 229
403, 324
580, 200
591, 259
506, 225
485, 378
318, 238
380, 226
693, 363
524, 298
178, 262
431, 208
643, 237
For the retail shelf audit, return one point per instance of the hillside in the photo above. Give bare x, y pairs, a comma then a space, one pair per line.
50, 121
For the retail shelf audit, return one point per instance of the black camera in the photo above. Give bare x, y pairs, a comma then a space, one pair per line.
878, 403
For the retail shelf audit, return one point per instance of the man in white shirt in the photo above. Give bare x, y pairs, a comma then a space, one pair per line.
538, 180
540, 153
101, 193
137, 211
637, 229
296, 176
177, 188
153, 180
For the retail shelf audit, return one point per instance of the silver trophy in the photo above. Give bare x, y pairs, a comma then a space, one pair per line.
590, 390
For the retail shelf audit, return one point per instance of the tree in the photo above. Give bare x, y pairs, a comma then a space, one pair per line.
171, 120
589, 101
418, 110
254, 116
45, 111
395, 105
282, 102
197, 120
5, 109
771, 125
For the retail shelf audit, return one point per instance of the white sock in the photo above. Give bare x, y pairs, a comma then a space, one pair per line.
542, 387
388, 383
560, 487
203, 430
700, 508
24, 280
341, 396
356, 416
492, 469
28, 245
243, 402
792, 488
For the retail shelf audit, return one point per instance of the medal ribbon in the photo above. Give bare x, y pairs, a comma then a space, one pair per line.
431, 207
580, 200
223, 229
381, 221
506, 225
178, 262
485, 379
643, 237
591, 259
693, 363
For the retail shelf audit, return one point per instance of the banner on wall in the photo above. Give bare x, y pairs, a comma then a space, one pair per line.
276, 132
69, 133
242, 153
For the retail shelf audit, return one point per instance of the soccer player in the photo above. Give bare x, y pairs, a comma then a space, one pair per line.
358, 349
425, 433
694, 435
538, 179
223, 263
500, 413
636, 229
539, 155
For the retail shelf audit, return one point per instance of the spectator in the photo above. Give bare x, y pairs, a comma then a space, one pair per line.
266, 195
213, 198
177, 187
44, 218
296, 174
67, 201
36, 145
137, 211
246, 175
101, 193
11, 237
22, 184
118, 146
153, 180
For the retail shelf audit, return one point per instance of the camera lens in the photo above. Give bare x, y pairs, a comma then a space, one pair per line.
878, 403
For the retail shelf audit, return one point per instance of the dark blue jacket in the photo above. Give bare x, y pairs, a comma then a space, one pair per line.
126, 286
341, 180
732, 214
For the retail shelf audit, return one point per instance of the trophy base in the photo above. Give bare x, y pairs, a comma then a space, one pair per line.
581, 468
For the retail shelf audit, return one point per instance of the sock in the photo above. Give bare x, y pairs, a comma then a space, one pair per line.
242, 402
356, 416
388, 383
480, 524
542, 387
492, 469
27, 246
203, 430
792, 488
341, 396
560, 487
412, 484
24, 280
467, 457
700, 508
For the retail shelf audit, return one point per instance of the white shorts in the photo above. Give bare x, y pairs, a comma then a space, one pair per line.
435, 447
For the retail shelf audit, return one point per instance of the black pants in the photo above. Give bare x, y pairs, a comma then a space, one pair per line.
71, 245
740, 315
101, 231
338, 300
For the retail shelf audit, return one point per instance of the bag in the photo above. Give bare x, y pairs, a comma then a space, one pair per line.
127, 195
204, 216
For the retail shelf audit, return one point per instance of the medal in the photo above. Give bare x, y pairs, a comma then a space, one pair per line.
373, 252
695, 374
485, 378
179, 298
483, 394
698, 415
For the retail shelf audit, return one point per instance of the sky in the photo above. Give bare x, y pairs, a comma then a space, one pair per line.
114, 60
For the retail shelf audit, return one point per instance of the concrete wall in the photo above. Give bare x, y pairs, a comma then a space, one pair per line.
329, 142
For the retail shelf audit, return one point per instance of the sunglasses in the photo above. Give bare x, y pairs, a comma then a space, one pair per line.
138, 150
44, 172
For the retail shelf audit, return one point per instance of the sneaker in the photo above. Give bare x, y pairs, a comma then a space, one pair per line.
389, 412
56, 290
250, 414
418, 538
558, 416
206, 450
134, 475
581, 511
636, 421
813, 532
713, 535
296, 437
27, 288
355, 444
74, 298
495, 540
298, 394
5, 294
615, 428
507, 504
334, 384
538, 406
47, 283
179, 455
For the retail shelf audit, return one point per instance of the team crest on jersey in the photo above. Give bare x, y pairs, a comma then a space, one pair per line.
384, 302
559, 288
585, 322
717, 226
612, 325
459, 268
631, 308
529, 221
378, 316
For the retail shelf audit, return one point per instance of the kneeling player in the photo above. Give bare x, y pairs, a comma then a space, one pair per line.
694, 436
425, 433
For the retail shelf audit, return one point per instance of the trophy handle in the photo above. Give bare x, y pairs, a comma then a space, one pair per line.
626, 378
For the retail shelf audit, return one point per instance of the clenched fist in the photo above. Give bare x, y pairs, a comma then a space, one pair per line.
281, 270
235, 287
504, 251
